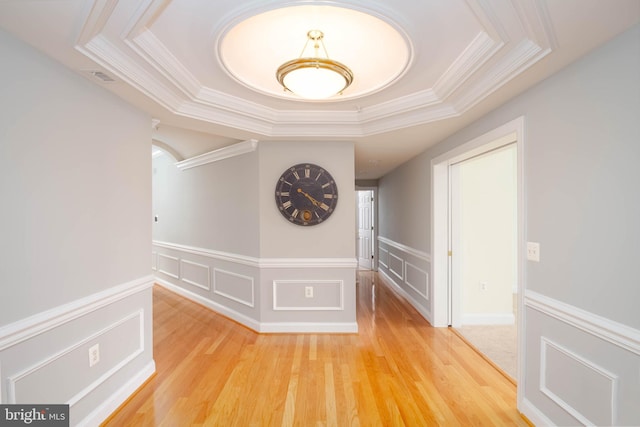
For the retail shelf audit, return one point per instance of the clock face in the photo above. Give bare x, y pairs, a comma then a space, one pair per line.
306, 194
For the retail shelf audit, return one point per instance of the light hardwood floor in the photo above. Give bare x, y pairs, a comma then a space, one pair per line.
398, 370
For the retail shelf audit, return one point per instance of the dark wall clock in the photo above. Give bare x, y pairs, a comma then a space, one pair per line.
306, 194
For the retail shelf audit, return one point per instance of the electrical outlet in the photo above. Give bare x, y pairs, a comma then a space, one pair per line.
94, 355
533, 251
308, 291
483, 286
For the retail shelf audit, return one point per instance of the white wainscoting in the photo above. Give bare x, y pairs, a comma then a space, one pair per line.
288, 295
264, 294
236, 287
222, 281
588, 366
45, 356
195, 274
407, 268
169, 265
47, 380
601, 407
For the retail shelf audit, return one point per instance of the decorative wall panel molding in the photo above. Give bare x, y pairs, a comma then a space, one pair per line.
195, 274
562, 369
45, 357
47, 380
417, 279
383, 257
169, 265
407, 269
242, 288
289, 295
396, 265
588, 365
234, 286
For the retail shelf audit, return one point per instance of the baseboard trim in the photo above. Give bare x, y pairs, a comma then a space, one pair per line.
533, 414
102, 412
310, 328
27, 328
414, 303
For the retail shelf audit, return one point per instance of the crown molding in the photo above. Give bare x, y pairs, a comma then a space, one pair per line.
219, 154
517, 60
479, 51
149, 47
132, 52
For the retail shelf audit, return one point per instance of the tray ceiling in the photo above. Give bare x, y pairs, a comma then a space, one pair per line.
464, 58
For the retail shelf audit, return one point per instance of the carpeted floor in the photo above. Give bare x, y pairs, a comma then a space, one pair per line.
497, 342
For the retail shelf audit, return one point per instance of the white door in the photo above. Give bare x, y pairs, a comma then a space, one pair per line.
364, 244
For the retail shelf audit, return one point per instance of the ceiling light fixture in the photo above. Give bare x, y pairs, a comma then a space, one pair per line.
314, 77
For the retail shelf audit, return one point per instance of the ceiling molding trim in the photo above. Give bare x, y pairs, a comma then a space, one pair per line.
96, 20
224, 117
102, 51
402, 105
154, 52
489, 19
219, 154
146, 14
479, 51
316, 130
220, 100
407, 119
523, 56
536, 22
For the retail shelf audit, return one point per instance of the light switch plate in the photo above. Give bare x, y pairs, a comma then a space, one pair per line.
533, 251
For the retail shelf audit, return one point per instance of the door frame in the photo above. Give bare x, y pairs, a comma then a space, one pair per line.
440, 227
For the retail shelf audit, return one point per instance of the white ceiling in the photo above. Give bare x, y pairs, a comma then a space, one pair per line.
467, 58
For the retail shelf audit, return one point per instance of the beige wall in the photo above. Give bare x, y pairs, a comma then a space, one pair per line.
488, 235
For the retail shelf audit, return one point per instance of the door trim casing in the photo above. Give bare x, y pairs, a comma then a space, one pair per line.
440, 226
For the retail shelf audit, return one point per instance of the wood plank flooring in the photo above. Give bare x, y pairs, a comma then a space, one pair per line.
397, 371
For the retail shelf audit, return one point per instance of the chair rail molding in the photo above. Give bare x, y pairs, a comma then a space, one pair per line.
613, 332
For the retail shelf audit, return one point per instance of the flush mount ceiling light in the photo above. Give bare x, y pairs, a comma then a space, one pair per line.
257, 45
314, 77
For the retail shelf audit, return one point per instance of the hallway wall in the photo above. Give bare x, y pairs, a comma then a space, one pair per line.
221, 240
74, 258
582, 331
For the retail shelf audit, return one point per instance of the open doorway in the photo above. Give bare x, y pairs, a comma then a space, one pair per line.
444, 295
365, 234
483, 227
